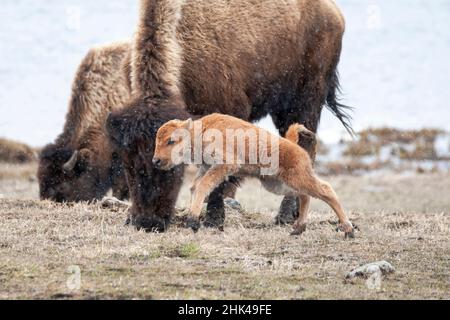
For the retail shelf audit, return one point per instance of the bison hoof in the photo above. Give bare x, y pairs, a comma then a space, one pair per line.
288, 211
214, 224
150, 224
210, 225
193, 223
215, 217
298, 230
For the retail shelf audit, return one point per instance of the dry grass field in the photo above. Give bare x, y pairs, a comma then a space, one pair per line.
403, 219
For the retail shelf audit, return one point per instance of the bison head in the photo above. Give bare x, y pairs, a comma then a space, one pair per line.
132, 131
67, 175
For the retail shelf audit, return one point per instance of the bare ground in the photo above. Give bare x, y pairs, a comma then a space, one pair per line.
402, 219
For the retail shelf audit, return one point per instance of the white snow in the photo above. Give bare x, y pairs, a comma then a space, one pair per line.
395, 67
442, 146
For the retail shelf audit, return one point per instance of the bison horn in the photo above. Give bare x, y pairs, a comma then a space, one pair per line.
70, 165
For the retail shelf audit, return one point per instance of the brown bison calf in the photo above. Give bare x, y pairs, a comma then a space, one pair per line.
81, 164
210, 143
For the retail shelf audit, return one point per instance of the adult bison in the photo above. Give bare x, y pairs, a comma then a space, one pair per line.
81, 164
246, 58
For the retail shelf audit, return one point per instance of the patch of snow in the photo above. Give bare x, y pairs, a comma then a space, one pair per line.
442, 145
365, 271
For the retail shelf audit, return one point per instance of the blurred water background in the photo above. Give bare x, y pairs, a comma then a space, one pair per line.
395, 66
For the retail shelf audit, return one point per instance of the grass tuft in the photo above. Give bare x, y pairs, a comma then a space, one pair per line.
184, 251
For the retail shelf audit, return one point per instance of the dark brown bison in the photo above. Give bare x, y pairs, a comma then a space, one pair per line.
81, 164
245, 58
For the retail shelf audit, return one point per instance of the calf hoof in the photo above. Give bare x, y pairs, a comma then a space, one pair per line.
350, 235
193, 223
298, 230
348, 229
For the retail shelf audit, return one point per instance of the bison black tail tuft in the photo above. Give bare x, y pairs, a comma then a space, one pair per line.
235, 181
341, 111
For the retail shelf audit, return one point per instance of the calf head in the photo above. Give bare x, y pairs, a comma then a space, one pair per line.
67, 175
170, 144
132, 131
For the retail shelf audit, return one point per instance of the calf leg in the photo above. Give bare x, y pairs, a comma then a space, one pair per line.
204, 186
323, 191
317, 86
300, 224
290, 205
200, 173
215, 211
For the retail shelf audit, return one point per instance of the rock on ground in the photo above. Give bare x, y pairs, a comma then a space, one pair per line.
114, 204
367, 270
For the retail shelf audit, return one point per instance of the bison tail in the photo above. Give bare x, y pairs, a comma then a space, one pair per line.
341, 111
157, 54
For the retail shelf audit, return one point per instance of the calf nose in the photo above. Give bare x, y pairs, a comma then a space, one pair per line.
157, 163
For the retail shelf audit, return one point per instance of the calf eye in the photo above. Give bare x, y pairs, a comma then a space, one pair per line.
171, 142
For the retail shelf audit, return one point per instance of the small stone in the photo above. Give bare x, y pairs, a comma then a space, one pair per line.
114, 204
233, 204
367, 270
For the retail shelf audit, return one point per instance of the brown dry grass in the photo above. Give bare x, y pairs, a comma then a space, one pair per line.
371, 141
404, 220
16, 152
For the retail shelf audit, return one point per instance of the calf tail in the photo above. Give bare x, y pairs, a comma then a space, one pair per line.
303, 137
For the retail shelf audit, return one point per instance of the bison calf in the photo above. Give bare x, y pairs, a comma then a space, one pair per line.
282, 166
